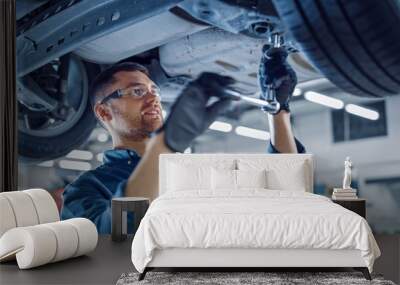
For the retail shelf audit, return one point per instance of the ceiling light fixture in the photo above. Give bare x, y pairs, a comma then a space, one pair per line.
297, 92
102, 137
75, 165
48, 163
362, 112
252, 133
80, 154
324, 100
220, 126
100, 156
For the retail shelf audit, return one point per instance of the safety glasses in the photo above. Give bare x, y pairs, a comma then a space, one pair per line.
137, 91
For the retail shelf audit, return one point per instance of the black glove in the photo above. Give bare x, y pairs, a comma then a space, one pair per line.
190, 116
275, 70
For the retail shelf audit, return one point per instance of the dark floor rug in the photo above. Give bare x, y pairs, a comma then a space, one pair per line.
233, 278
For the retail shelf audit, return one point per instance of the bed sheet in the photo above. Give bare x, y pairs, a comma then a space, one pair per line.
252, 218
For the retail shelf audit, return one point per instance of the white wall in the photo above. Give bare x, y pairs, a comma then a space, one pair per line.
372, 157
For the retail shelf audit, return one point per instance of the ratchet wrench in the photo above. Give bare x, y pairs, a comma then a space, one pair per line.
266, 106
270, 104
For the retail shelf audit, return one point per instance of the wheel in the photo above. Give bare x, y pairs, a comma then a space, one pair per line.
49, 135
354, 43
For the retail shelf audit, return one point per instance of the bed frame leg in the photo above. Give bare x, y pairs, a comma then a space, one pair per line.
364, 271
143, 274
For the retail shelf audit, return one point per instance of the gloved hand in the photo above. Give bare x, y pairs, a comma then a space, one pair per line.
190, 116
275, 70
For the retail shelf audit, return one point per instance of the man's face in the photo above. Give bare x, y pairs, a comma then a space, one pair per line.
133, 117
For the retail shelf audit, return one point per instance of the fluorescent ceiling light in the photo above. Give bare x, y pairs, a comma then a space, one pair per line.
252, 133
75, 165
297, 92
221, 127
80, 154
362, 112
48, 163
324, 100
102, 137
100, 156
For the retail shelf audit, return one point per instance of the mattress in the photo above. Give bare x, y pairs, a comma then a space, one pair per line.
253, 218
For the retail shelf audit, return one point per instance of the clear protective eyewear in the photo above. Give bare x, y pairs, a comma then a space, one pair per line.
137, 91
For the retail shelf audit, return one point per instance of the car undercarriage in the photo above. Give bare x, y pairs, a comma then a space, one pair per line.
62, 45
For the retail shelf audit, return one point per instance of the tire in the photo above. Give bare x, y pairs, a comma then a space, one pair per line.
354, 43
33, 148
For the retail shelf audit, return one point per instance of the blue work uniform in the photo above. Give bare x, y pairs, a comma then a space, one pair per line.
90, 195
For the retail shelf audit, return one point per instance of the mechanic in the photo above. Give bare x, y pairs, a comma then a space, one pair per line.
127, 103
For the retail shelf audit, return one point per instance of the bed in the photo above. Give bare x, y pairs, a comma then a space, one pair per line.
247, 210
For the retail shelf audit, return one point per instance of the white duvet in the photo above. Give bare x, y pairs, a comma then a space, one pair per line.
250, 219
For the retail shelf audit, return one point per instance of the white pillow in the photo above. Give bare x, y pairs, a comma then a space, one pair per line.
231, 180
188, 177
282, 173
293, 179
223, 179
251, 178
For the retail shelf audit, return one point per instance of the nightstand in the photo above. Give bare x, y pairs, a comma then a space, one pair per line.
120, 208
355, 205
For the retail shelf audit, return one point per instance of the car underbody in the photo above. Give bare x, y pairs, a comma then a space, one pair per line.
63, 44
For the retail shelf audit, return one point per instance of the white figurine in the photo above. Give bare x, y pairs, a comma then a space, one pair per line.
347, 173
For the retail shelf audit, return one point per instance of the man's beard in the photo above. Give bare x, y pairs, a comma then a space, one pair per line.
152, 125
143, 131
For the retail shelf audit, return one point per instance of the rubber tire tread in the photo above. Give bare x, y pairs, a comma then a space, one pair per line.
355, 44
